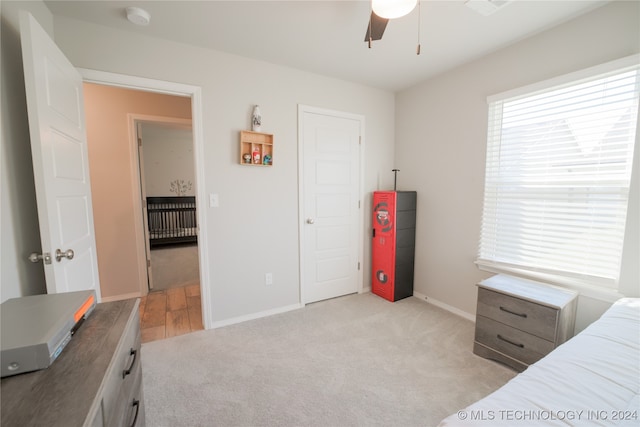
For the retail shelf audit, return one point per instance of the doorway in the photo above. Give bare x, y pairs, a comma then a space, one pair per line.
167, 177
169, 209
65, 96
193, 95
330, 147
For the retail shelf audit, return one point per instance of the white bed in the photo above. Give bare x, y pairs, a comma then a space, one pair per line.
591, 380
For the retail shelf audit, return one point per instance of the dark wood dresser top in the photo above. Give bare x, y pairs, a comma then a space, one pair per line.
63, 394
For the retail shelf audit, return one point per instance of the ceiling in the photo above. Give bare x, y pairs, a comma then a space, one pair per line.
327, 36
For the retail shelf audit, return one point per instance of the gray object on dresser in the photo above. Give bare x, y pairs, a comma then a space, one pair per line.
520, 321
96, 381
36, 328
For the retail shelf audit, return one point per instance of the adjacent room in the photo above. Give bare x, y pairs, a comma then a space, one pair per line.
322, 212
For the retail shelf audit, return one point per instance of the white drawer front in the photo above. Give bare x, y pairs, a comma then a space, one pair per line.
130, 406
98, 420
527, 316
134, 413
127, 358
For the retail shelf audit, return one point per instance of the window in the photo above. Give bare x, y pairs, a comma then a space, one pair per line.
557, 176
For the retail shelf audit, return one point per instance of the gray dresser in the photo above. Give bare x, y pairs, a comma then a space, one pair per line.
519, 321
96, 381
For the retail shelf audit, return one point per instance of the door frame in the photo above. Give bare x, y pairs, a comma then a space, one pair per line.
195, 93
302, 109
140, 217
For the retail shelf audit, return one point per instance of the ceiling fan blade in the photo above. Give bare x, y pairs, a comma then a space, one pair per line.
376, 27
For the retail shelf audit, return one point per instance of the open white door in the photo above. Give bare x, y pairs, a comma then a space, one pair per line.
55, 107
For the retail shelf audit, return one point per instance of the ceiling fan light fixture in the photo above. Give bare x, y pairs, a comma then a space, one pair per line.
391, 9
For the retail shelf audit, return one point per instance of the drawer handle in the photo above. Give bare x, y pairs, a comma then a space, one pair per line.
500, 337
523, 315
136, 404
133, 353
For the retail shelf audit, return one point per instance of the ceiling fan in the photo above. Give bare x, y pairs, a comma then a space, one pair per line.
376, 28
384, 10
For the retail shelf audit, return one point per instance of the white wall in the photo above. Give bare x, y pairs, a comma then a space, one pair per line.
168, 157
441, 128
255, 229
19, 231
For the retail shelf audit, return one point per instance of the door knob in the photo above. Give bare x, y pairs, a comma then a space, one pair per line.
68, 254
35, 257
310, 220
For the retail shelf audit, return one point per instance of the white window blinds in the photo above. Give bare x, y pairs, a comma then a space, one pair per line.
557, 178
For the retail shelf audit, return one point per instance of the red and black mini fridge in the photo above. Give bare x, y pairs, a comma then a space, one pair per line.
393, 246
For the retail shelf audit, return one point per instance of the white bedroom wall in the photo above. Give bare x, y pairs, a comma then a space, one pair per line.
441, 128
19, 231
255, 229
168, 157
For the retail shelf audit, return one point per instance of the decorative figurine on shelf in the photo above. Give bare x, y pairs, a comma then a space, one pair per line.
267, 159
256, 119
247, 157
256, 156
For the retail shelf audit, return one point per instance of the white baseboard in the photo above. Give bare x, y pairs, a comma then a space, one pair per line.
121, 297
267, 313
444, 306
254, 316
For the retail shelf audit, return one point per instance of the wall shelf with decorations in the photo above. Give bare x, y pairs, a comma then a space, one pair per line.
256, 148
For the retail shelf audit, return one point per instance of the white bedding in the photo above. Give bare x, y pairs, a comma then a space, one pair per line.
591, 380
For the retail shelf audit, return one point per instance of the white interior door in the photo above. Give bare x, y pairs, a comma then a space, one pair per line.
330, 195
60, 163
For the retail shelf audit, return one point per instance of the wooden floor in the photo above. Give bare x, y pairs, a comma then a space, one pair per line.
170, 312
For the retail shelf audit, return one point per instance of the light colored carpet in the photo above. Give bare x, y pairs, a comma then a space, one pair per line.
174, 266
352, 361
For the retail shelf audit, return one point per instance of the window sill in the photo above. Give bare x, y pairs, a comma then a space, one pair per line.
583, 288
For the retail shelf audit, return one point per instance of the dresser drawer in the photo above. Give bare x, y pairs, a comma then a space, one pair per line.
135, 416
126, 395
129, 410
98, 418
121, 378
527, 316
510, 341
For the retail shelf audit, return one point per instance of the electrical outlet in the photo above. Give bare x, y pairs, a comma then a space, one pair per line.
268, 279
